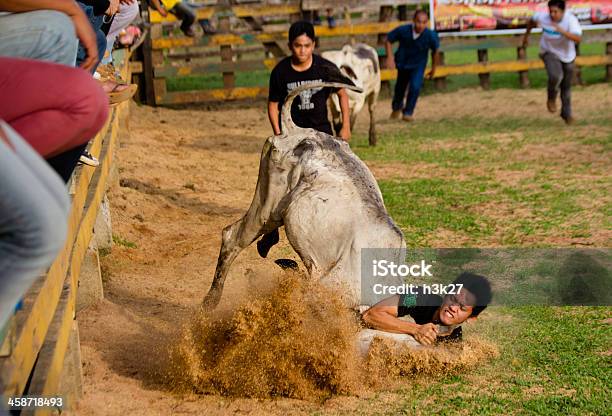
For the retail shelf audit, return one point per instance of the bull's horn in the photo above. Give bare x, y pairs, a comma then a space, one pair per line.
287, 124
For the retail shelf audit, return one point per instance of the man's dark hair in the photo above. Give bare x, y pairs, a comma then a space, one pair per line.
479, 286
557, 3
301, 28
418, 12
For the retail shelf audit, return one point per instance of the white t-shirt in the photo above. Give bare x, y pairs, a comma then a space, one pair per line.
553, 41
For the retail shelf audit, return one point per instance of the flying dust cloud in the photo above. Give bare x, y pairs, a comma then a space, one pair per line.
299, 341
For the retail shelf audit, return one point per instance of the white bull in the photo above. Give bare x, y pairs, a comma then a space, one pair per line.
327, 199
360, 63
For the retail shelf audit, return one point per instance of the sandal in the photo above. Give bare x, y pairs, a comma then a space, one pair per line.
111, 82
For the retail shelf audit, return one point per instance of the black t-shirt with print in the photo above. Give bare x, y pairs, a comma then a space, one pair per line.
422, 308
309, 110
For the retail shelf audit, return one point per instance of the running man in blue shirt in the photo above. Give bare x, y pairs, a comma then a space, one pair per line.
415, 41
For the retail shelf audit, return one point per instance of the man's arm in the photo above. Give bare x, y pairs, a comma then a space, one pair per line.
530, 25
83, 28
571, 36
345, 131
389, 52
273, 116
435, 61
158, 6
383, 316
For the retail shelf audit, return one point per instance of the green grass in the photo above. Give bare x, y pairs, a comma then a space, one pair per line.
466, 168
551, 362
120, 241
472, 177
537, 78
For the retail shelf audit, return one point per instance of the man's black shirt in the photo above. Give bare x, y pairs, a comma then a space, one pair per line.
422, 308
309, 110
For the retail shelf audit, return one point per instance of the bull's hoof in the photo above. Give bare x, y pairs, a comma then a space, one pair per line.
211, 300
266, 242
287, 264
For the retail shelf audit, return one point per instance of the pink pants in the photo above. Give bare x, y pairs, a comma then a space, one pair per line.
54, 107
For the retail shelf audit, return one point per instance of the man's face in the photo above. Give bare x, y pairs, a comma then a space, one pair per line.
302, 48
556, 14
420, 22
457, 308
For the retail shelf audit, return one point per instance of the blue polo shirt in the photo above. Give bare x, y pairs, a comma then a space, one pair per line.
412, 53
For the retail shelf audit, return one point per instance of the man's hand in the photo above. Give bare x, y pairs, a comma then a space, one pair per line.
525, 41
426, 334
86, 35
390, 62
345, 133
431, 73
113, 8
163, 12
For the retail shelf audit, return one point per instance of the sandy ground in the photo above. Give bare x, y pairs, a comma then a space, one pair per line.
183, 176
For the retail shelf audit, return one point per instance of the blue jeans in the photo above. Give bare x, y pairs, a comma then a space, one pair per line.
96, 23
46, 35
34, 208
412, 79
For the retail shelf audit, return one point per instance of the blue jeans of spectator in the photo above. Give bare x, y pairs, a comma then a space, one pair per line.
185, 13
34, 208
412, 79
45, 35
96, 23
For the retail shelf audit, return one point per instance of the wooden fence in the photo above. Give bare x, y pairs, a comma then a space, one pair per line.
41, 352
245, 30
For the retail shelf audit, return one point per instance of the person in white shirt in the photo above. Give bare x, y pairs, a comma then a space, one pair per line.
561, 32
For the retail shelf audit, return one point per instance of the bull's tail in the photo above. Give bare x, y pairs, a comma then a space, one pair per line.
287, 123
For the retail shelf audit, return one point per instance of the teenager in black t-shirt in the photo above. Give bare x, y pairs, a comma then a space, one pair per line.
429, 311
310, 109
303, 67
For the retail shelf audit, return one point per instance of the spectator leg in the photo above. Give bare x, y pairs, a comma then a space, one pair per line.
45, 35
566, 90
126, 15
34, 207
401, 83
41, 109
185, 13
414, 89
96, 24
554, 70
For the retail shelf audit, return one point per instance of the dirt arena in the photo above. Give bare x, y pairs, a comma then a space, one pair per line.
182, 176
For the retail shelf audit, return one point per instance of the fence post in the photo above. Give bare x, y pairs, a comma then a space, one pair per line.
440, 83
609, 67
147, 63
485, 78
386, 15
226, 50
402, 12
521, 55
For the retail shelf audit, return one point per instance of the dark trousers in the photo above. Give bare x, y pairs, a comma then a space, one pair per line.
412, 79
185, 13
559, 78
96, 24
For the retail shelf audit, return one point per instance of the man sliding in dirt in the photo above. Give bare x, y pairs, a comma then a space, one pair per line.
435, 318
